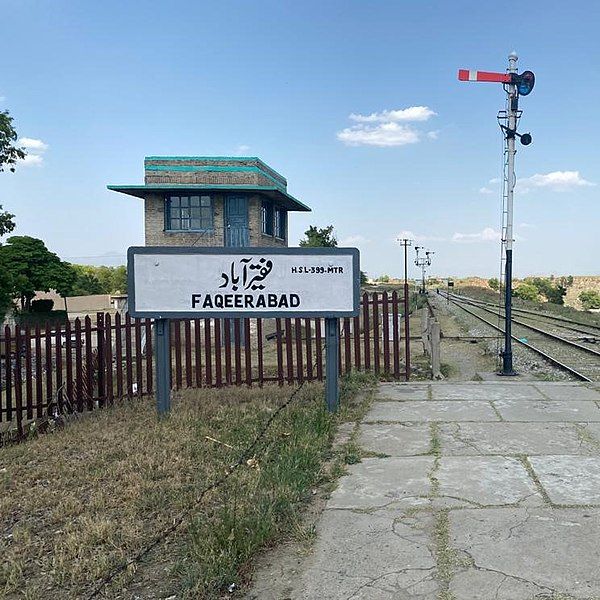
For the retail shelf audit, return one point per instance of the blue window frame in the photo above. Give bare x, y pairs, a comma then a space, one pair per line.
266, 212
188, 213
280, 222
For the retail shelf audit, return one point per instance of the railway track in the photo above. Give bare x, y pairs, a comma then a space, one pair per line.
587, 329
580, 361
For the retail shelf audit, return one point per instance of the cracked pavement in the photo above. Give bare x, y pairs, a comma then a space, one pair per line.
477, 491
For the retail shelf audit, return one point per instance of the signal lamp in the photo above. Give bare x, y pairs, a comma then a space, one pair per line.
524, 82
526, 139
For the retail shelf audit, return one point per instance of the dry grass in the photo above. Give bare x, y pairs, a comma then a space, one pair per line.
75, 503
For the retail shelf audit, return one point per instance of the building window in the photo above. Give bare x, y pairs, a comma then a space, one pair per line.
267, 217
280, 222
189, 213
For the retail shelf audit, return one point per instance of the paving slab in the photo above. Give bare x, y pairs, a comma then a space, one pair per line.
522, 553
548, 410
567, 391
379, 482
464, 439
370, 557
484, 481
432, 410
569, 479
402, 391
594, 430
482, 391
395, 439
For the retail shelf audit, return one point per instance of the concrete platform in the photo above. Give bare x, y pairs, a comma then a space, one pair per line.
471, 491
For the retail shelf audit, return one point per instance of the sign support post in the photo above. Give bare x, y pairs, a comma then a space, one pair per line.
163, 365
332, 352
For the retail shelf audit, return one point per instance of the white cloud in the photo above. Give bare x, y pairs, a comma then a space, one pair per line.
242, 148
487, 234
412, 113
32, 144
386, 128
485, 190
35, 148
555, 181
433, 135
354, 240
32, 160
527, 226
384, 135
406, 234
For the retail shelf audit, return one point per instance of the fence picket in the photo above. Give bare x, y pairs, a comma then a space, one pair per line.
128, 356
299, 358
101, 357
227, 325
207, 353
385, 317
119, 354
395, 334
108, 362
187, 330
366, 331
247, 352
376, 351
18, 379
9, 372
49, 370
59, 370
237, 341
218, 357
39, 401
288, 351
319, 348
78, 365
309, 361
198, 353
347, 346
177, 342
88, 382
279, 342
28, 373
259, 351
139, 380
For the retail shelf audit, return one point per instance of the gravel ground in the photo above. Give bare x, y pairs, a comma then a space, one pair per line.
525, 361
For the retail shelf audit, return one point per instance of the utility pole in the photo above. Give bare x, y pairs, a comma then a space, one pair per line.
515, 85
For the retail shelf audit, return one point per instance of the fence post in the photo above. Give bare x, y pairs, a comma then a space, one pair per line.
100, 334
407, 331
332, 349
435, 350
163, 365
425, 329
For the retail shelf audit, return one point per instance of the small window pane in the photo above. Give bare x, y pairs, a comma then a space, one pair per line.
174, 201
185, 223
196, 224
175, 223
195, 201
205, 200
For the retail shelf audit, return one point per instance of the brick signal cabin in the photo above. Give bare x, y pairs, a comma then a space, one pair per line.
213, 201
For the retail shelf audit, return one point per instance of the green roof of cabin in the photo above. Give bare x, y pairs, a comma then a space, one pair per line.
245, 174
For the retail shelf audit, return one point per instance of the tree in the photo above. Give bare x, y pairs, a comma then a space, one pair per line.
7, 223
319, 238
383, 279
9, 153
590, 299
494, 283
86, 282
32, 267
553, 292
527, 291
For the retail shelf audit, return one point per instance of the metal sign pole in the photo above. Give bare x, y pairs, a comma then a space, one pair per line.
163, 365
332, 349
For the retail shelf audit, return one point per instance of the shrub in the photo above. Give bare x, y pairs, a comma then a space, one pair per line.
527, 291
590, 299
42, 305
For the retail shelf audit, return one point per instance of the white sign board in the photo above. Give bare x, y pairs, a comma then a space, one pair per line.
178, 282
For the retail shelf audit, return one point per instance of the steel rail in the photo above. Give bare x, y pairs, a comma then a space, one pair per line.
542, 331
548, 357
568, 322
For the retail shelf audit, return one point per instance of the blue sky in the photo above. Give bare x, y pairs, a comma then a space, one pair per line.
356, 103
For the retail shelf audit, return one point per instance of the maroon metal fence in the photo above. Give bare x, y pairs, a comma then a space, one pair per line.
80, 366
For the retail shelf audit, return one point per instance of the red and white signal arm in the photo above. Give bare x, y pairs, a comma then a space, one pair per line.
470, 75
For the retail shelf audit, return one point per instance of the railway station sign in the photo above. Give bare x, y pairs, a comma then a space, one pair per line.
189, 282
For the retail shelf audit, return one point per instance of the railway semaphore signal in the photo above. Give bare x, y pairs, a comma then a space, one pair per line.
515, 84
